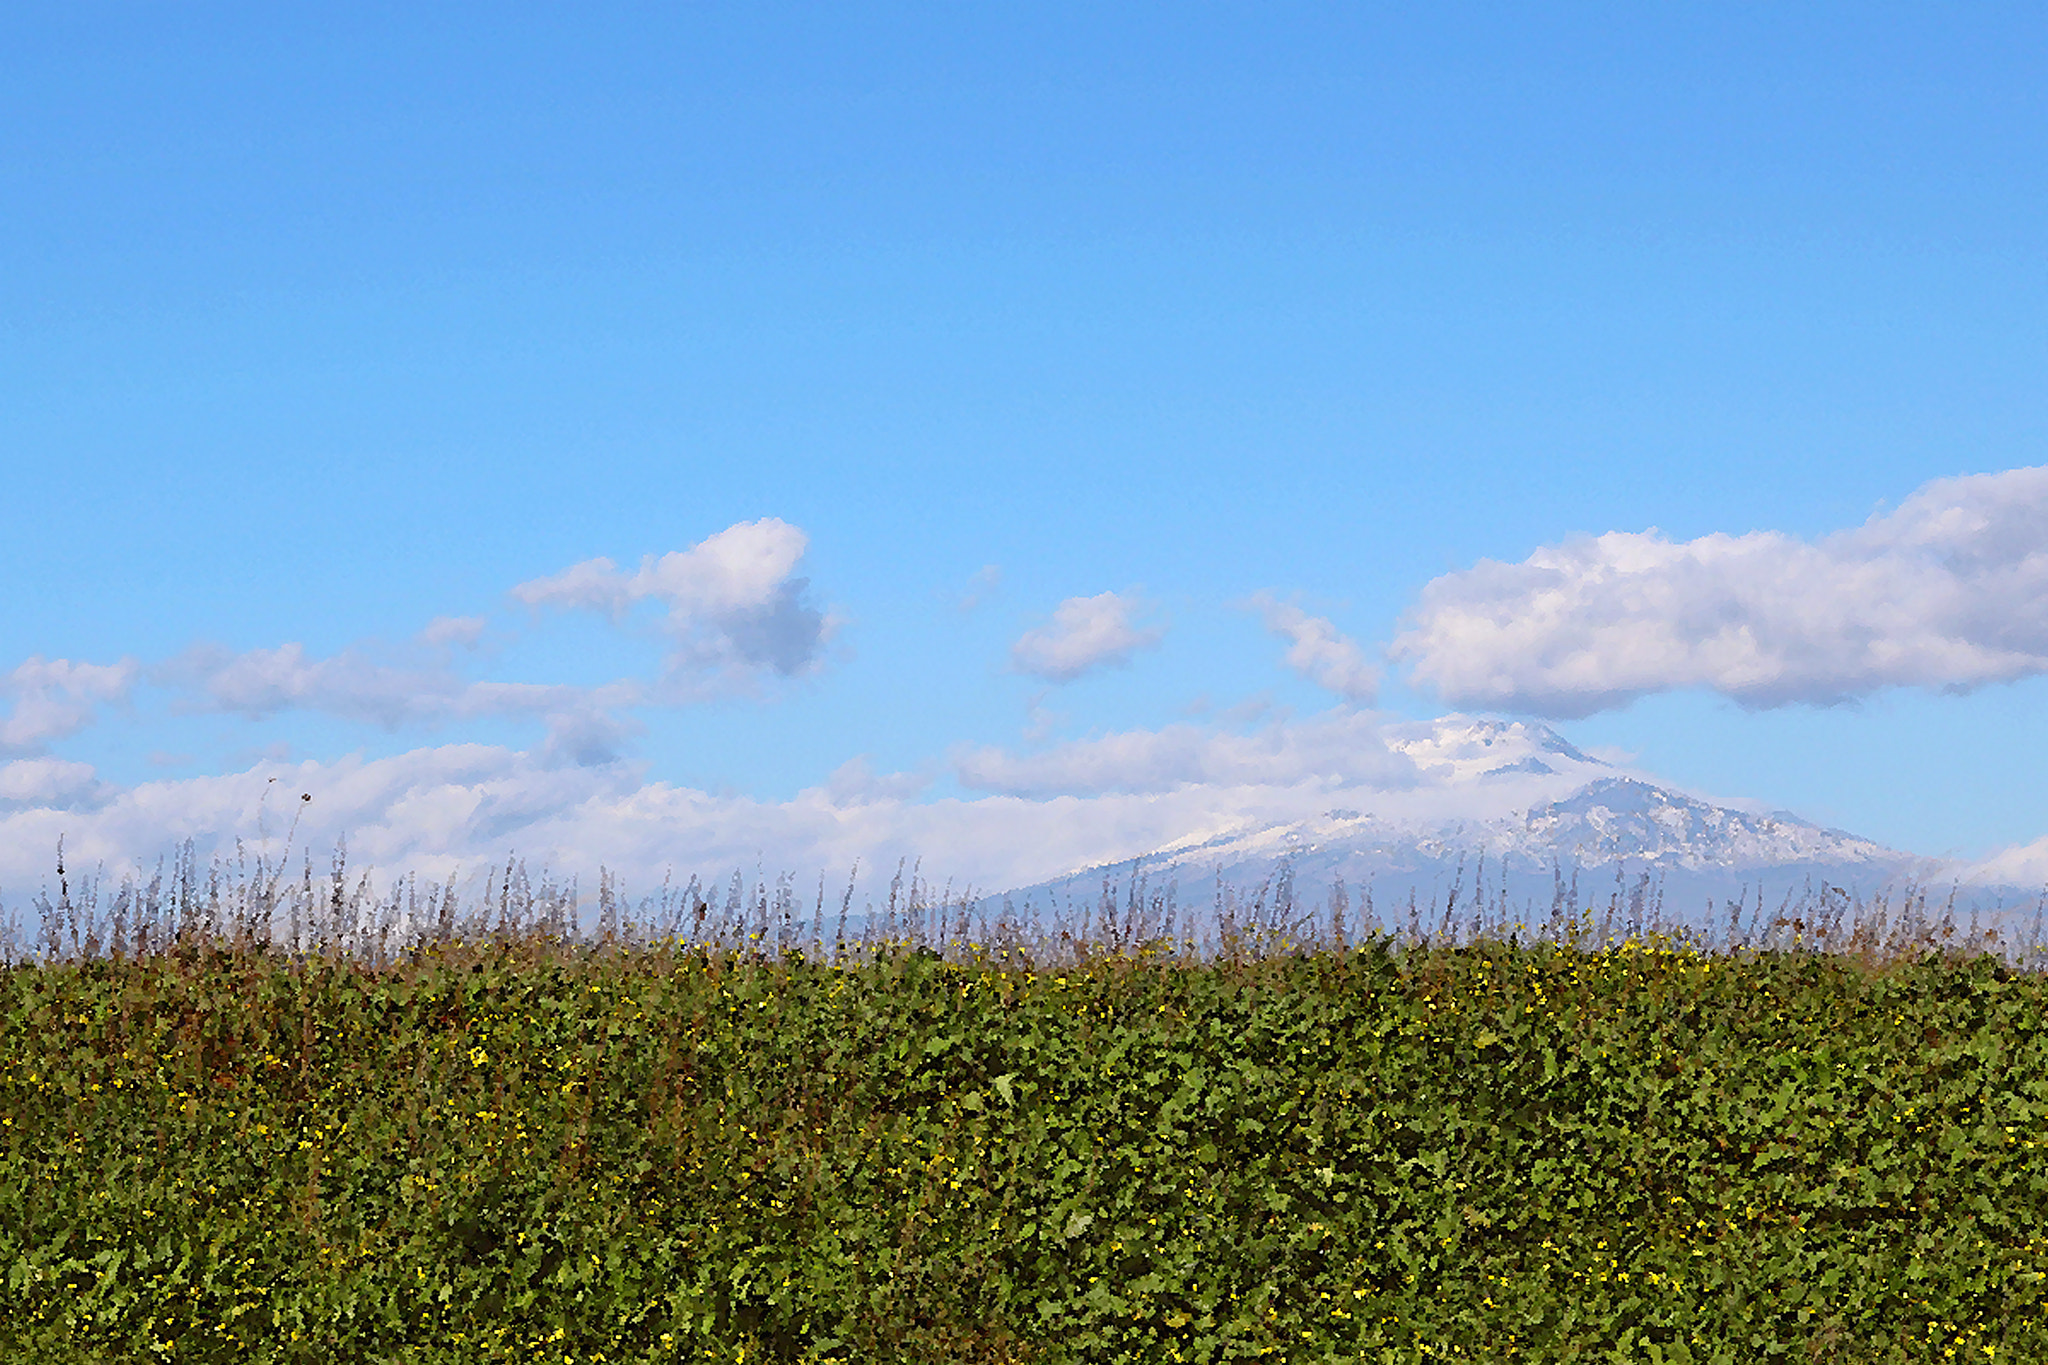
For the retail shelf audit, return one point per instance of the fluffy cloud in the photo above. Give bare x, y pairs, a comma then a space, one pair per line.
735, 606
1085, 633
1318, 651
1948, 591
1336, 748
56, 697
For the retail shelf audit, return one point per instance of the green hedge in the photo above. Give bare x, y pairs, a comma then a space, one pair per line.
538, 1153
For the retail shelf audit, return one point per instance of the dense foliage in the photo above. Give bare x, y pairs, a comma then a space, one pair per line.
538, 1152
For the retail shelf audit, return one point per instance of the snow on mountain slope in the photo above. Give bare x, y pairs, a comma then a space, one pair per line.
1624, 818
1600, 823
1513, 803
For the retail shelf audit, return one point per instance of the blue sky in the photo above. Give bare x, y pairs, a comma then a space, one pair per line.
319, 326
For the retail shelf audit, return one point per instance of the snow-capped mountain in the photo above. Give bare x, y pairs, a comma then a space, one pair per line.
1618, 817
1509, 811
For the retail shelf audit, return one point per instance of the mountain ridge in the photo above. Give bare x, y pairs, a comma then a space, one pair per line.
1518, 814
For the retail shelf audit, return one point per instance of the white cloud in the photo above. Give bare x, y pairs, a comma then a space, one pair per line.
262, 682
45, 782
1335, 748
1085, 633
1948, 591
585, 725
735, 606
1318, 651
56, 697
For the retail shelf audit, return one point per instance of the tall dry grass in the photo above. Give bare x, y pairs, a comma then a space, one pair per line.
286, 906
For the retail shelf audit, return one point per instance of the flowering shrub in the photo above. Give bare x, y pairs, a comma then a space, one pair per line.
535, 1151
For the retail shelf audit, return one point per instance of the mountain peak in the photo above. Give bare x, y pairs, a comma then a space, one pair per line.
1476, 747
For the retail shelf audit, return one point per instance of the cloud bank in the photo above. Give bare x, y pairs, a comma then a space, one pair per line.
456, 810
1949, 591
1085, 634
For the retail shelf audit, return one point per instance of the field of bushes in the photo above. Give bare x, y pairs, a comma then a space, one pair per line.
528, 1147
